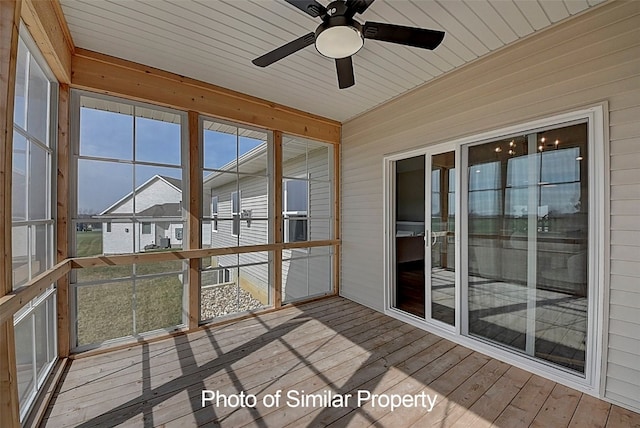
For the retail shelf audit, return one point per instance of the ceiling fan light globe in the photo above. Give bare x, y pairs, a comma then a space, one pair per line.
339, 41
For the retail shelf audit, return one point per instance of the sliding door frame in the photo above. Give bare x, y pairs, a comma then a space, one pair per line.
597, 281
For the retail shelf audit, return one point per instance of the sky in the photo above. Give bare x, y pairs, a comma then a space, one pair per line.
110, 135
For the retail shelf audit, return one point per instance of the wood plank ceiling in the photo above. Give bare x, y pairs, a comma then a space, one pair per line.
215, 41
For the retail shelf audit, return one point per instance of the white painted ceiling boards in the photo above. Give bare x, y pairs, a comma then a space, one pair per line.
215, 41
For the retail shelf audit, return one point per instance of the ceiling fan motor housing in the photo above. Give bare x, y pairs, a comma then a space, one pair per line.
339, 35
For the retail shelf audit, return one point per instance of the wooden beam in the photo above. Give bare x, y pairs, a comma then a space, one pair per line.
9, 25
15, 300
164, 256
194, 214
108, 75
12, 302
49, 30
63, 235
278, 218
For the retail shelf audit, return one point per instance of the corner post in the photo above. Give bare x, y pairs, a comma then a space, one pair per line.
62, 217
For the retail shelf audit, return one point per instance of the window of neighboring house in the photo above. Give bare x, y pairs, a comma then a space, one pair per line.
178, 234
146, 228
222, 276
214, 213
296, 205
235, 212
108, 227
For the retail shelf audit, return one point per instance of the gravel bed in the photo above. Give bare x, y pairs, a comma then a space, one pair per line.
226, 299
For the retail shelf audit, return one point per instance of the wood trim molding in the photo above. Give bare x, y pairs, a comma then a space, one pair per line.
105, 74
9, 26
64, 27
52, 35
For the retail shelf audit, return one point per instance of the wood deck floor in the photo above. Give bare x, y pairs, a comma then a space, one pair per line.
332, 344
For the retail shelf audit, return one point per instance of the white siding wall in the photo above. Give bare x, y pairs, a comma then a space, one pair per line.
119, 240
592, 58
253, 197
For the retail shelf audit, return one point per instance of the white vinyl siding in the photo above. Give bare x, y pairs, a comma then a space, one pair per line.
589, 59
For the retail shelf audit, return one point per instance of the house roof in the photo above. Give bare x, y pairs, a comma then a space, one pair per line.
215, 41
171, 209
174, 182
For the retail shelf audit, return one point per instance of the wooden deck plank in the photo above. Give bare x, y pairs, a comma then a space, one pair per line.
526, 405
495, 400
307, 362
445, 384
451, 408
590, 413
314, 379
558, 409
192, 372
442, 357
622, 418
329, 345
229, 338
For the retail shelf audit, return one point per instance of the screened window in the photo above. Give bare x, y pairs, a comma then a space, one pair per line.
307, 205
237, 175
32, 219
129, 177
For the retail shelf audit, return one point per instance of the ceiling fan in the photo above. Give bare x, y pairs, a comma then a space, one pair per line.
339, 35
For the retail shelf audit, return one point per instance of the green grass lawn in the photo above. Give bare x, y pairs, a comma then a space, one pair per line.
127, 307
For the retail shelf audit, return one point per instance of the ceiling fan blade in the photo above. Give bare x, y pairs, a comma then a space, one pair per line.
359, 6
310, 7
344, 66
285, 50
410, 36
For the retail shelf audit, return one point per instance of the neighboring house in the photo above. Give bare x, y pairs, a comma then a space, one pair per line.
155, 223
236, 213
239, 211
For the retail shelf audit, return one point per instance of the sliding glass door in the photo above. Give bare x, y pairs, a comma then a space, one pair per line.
495, 241
527, 219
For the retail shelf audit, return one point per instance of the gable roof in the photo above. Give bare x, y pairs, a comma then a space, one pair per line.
174, 182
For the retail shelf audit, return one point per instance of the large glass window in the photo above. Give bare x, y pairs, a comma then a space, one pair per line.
236, 212
307, 171
129, 200
528, 235
32, 218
